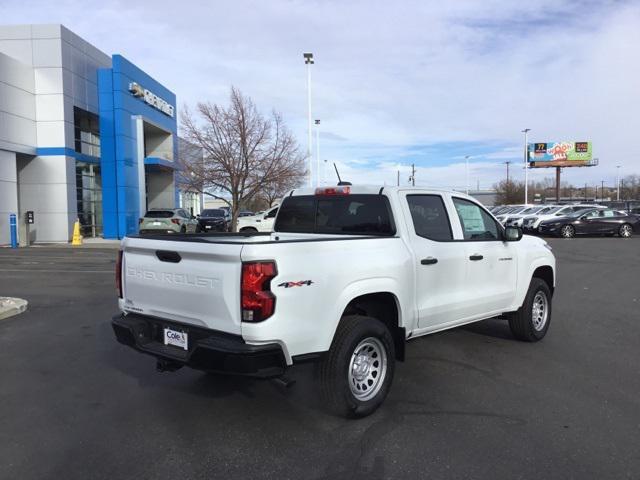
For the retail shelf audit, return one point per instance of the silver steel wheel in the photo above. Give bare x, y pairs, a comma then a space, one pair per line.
625, 231
367, 369
540, 311
567, 231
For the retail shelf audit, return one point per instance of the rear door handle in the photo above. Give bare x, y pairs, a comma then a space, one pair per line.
429, 261
476, 257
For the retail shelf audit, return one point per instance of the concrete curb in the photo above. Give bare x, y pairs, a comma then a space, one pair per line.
11, 306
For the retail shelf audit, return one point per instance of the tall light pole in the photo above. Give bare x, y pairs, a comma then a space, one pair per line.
466, 172
618, 182
526, 166
308, 60
324, 172
317, 152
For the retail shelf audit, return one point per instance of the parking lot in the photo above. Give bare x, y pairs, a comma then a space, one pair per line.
468, 403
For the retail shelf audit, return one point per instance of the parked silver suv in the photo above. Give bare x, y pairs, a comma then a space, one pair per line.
167, 220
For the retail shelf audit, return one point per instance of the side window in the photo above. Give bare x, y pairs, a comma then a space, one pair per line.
430, 218
272, 213
476, 223
594, 214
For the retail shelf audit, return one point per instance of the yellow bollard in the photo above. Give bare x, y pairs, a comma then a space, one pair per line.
77, 238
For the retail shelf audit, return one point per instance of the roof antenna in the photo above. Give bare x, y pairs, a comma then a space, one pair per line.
340, 182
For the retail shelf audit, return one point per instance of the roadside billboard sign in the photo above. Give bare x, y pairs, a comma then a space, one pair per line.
560, 154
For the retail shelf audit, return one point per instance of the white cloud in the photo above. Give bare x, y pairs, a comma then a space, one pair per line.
391, 75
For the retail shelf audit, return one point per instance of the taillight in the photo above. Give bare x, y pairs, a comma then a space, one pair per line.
176, 221
257, 301
119, 273
344, 190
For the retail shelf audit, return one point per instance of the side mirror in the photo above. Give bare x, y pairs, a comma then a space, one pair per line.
193, 218
512, 234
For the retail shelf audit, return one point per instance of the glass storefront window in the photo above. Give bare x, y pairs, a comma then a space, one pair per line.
87, 132
89, 198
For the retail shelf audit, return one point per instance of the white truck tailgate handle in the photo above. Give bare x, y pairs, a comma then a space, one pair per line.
168, 256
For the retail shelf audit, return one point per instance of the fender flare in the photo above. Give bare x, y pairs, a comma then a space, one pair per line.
533, 266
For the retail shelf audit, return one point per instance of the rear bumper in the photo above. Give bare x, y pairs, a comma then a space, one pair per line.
209, 350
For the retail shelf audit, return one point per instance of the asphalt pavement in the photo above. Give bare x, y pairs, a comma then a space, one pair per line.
468, 403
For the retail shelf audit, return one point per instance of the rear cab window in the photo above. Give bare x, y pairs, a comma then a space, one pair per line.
357, 214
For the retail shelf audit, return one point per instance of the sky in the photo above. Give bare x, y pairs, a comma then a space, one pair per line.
396, 83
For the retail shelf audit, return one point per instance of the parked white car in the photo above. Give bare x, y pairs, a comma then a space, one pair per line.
262, 222
512, 210
516, 220
349, 275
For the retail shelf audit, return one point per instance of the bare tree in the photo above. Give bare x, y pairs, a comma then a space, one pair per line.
244, 154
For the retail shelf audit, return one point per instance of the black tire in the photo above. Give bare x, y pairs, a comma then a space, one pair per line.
522, 323
567, 231
625, 231
335, 369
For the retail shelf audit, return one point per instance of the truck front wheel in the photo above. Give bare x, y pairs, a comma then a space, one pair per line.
531, 322
357, 371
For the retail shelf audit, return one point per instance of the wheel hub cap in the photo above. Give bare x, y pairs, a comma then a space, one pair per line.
540, 311
367, 368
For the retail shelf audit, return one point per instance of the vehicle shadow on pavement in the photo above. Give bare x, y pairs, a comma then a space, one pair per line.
493, 327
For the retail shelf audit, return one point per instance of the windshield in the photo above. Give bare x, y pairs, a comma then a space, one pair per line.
550, 210
215, 212
532, 210
336, 214
517, 210
159, 214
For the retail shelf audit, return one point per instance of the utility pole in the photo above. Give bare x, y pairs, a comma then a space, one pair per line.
602, 191
466, 172
413, 175
317, 152
618, 182
398, 181
526, 166
585, 192
507, 164
308, 60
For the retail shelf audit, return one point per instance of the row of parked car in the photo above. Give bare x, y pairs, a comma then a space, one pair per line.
568, 220
179, 220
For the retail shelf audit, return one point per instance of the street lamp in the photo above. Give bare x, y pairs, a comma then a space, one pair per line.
526, 166
317, 152
618, 182
466, 171
308, 60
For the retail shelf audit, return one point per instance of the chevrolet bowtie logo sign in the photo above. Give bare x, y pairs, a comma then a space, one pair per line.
151, 99
136, 90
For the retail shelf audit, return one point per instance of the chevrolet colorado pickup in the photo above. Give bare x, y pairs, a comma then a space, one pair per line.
346, 278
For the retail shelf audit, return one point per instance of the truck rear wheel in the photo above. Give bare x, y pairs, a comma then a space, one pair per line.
357, 372
531, 322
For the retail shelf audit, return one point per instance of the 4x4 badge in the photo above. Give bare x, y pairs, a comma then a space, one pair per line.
295, 284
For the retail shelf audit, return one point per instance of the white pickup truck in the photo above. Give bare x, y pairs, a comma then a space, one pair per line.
347, 277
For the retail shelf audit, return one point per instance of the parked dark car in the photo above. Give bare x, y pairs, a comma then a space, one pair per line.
591, 221
213, 220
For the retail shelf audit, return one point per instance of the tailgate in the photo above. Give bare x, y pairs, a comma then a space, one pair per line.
194, 283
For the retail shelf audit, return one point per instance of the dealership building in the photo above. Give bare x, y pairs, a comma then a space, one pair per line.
83, 135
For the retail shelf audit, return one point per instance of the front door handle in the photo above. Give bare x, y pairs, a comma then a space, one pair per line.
429, 261
476, 257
